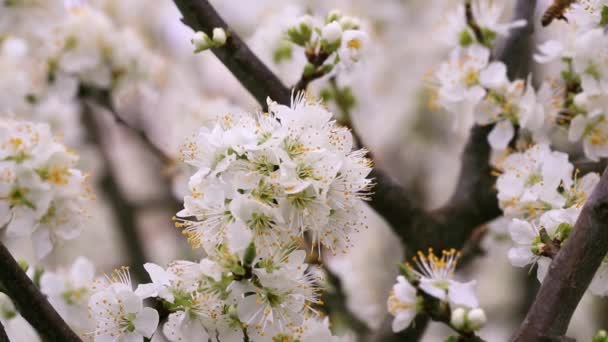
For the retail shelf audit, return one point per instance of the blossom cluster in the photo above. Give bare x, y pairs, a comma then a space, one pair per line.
539, 190
264, 184
42, 194
273, 178
431, 279
582, 52
75, 46
474, 88
336, 40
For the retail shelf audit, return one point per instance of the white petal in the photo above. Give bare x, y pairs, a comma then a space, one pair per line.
146, 322
22, 223
463, 294
429, 286
403, 320
146, 291
522, 232
82, 272
41, 240
543, 266
131, 302
501, 135
158, 274
520, 256
494, 76
577, 128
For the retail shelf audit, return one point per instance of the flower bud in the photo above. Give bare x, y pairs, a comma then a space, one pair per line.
476, 319
350, 23
458, 318
219, 36
309, 69
601, 336
201, 41
301, 32
24, 265
333, 15
332, 32
250, 253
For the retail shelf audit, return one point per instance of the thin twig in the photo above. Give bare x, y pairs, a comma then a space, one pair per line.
235, 54
571, 270
122, 208
317, 60
31, 303
472, 23
102, 97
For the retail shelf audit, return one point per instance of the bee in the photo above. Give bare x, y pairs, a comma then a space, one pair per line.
556, 11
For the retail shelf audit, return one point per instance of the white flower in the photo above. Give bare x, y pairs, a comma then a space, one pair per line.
459, 83
353, 46
69, 292
119, 312
489, 13
41, 193
532, 181
594, 133
403, 304
529, 247
435, 276
270, 178
283, 297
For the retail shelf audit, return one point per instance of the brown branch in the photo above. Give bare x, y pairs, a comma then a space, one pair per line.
316, 60
31, 303
122, 208
235, 54
516, 49
571, 270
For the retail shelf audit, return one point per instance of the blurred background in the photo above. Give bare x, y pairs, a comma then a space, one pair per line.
139, 180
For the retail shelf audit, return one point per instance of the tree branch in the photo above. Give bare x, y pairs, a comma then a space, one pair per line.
122, 208
516, 49
32, 304
571, 270
235, 54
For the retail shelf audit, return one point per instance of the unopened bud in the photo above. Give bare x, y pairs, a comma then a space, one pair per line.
476, 319
301, 32
601, 336
24, 265
350, 23
219, 36
250, 253
201, 41
333, 15
458, 318
309, 69
332, 32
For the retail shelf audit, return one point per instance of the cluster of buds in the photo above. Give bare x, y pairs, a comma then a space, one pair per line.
202, 41
338, 36
468, 320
